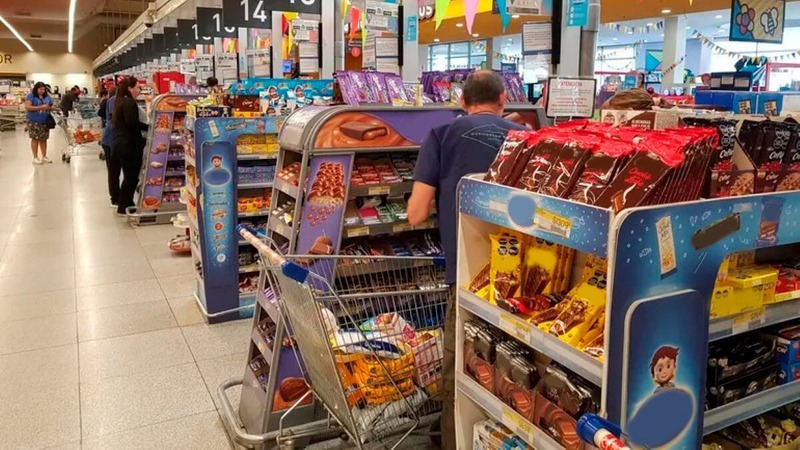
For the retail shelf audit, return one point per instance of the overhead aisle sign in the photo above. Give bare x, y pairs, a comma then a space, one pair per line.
299, 6
246, 14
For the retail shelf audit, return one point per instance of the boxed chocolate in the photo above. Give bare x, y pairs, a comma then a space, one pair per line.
787, 343
560, 400
740, 387
738, 178
480, 351
737, 356
515, 377
491, 435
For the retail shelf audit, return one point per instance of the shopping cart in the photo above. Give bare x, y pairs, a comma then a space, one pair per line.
369, 340
79, 134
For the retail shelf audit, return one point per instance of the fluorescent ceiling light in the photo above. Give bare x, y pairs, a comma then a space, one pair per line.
459, 25
71, 24
649, 24
666, 11
614, 39
16, 34
436, 40
476, 35
718, 16
515, 16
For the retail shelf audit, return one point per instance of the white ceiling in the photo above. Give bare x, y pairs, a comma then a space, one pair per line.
712, 24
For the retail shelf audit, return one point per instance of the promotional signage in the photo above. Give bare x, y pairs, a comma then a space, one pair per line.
246, 14
186, 33
300, 6
757, 21
570, 97
209, 23
578, 13
170, 38
158, 45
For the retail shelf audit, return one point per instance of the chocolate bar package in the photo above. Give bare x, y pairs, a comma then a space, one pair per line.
762, 432
565, 173
745, 385
599, 169
506, 261
737, 356
560, 400
543, 158
512, 157
515, 377
480, 352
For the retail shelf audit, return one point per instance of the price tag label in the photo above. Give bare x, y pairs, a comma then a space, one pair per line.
515, 327
401, 227
428, 224
378, 190
553, 223
749, 319
518, 425
356, 232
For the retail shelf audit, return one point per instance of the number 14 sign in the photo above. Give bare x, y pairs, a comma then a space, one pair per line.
246, 14
300, 6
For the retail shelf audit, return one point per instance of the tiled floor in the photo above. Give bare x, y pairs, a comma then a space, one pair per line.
101, 343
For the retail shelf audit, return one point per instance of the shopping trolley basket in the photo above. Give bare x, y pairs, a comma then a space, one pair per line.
78, 134
368, 333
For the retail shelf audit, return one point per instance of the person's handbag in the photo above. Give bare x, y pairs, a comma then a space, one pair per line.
50, 122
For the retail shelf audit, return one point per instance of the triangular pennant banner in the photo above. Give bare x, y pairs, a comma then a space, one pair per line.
441, 10
505, 18
470, 9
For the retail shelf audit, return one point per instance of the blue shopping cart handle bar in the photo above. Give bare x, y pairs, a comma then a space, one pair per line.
288, 268
599, 432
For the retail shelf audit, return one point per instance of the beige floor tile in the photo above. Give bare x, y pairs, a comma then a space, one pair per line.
40, 332
122, 320
217, 370
213, 341
142, 399
26, 306
30, 283
124, 355
200, 431
186, 311
40, 417
178, 286
25, 370
118, 294
172, 266
39, 263
113, 273
37, 237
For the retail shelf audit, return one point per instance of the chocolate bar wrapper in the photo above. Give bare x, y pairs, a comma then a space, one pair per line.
510, 161
361, 88
395, 88
480, 280
541, 261
377, 86
506, 259
634, 182
542, 159
565, 173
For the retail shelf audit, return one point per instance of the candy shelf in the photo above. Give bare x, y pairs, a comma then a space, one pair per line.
265, 184
379, 229
165, 155
256, 157
787, 309
287, 188
584, 365
647, 306
393, 189
281, 228
498, 411
261, 213
727, 415
261, 344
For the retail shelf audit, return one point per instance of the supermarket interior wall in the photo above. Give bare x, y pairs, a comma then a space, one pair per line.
693, 55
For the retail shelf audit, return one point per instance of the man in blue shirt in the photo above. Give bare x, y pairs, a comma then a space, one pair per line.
467, 145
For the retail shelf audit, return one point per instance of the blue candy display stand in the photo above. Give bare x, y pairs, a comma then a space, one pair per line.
649, 304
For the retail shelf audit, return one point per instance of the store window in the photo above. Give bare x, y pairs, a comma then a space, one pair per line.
615, 59
457, 55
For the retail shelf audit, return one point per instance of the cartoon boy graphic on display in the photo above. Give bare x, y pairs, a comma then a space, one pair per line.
663, 367
216, 161
217, 175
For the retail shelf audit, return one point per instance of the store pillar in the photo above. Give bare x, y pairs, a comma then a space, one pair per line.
411, 61
589, 39
339, 48
330, 16
570, 40
674, 51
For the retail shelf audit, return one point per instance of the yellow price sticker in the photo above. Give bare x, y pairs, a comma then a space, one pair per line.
744, 321
515, 327
553, 223
356, 232
378, 190
518, 425
401, 227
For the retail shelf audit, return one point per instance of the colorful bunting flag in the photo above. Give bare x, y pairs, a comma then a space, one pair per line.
636, 30
719, 50
441, 10
505, 18
470, 9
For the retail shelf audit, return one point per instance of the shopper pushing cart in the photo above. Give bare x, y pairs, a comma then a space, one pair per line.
367, 331
79, 133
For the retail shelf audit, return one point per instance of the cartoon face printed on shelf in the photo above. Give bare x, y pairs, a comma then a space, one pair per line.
216, 161
663, 366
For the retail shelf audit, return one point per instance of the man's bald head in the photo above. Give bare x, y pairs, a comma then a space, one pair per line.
483, 87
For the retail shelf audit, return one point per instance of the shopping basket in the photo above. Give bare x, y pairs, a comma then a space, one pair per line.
368, 333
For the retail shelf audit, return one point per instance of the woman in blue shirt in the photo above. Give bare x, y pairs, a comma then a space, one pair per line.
39, 104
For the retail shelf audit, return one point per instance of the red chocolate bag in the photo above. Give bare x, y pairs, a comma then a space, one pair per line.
510, 161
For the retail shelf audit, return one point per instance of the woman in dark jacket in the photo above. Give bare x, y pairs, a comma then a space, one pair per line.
112, 165
128, 143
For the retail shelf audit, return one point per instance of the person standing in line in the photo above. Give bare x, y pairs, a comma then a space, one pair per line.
39, 104
128, 143
68, 100
469, 144
112, 164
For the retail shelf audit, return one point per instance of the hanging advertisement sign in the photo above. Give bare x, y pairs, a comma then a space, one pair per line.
757, 21
530, 7
382, 16
209, 23
578, 13
536, 37
246, 14
299, 6
187, 37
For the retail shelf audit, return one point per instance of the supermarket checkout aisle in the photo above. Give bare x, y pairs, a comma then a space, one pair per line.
101, 344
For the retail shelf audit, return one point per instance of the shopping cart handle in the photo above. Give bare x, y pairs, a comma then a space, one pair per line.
597, 431
288, 268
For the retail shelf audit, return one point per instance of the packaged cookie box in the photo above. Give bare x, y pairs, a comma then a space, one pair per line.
789, 373
763, 278
560, 400
743, 386
737, 356
787, 344
738, 177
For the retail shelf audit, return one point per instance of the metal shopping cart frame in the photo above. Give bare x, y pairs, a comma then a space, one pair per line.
325, 316
68, 125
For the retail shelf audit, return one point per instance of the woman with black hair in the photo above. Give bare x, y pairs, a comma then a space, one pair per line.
39, 104
128, 142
